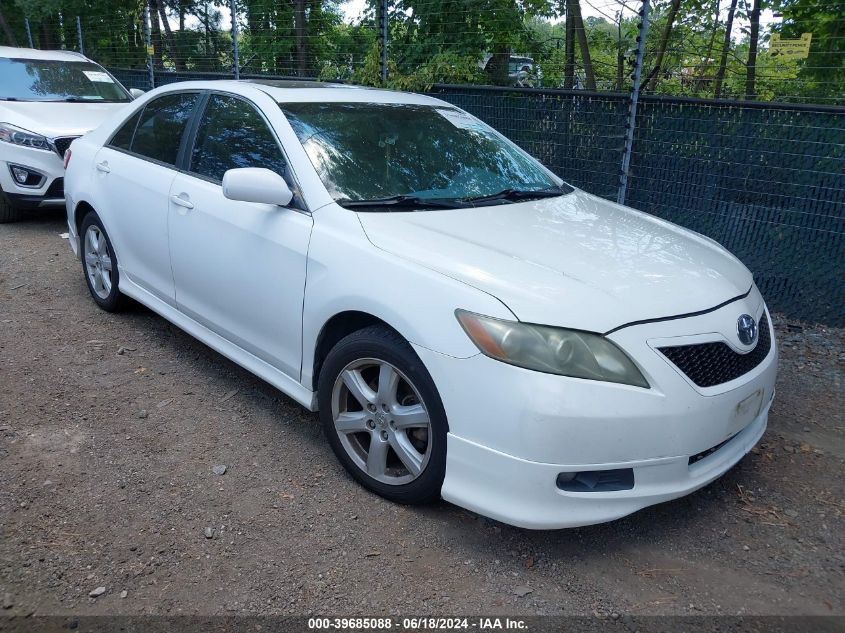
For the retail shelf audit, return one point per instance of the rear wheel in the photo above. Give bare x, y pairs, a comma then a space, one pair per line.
8, 213
383, 416
99, 263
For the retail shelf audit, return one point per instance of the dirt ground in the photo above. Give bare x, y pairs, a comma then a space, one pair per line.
110, 426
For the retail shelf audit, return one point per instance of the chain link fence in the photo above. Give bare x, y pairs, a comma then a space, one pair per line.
688, 115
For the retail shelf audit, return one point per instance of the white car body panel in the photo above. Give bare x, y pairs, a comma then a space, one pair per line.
563, 253
259, 310
53, 119
258, 283
140, 238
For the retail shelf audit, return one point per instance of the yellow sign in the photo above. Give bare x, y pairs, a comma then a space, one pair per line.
151, 51
790, 49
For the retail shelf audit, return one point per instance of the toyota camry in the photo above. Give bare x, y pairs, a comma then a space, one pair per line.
468, 325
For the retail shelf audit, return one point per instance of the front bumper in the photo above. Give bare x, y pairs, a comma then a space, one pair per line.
513, 431
49, 193
525, 494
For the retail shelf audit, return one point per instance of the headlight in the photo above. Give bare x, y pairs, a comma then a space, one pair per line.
551, 350
17, 136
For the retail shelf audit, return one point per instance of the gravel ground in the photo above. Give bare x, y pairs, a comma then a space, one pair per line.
111, 427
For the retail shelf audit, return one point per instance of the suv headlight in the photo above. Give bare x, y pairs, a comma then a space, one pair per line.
18, 136
551, 350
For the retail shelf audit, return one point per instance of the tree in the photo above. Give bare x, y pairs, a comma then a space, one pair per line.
653, 76
574, 9
726, 47
751, 66
7, 30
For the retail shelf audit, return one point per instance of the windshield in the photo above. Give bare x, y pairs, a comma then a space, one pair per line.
53, 80
366, 151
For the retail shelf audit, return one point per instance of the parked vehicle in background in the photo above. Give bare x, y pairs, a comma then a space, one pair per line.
466, 323
522, 72
47, 99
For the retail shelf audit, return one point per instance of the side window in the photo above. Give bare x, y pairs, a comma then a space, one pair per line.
232, 134
123, 137
161, 125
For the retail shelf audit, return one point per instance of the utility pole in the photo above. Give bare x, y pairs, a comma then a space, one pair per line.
632, 110
149, 44
236, 67
79, 35
28, 32
382, 25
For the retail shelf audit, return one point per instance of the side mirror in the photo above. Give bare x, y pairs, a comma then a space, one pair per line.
256, 184
135, 92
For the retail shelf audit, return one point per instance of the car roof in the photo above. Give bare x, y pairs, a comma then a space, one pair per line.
14, 52
289, 91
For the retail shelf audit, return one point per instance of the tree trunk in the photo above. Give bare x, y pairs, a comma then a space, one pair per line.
498, 65
705, 66
569, 51
133, 43
300, 38
654, 75
723, 62
47, 37
751, 67
7, 31
168, 34
155, 35
581, 35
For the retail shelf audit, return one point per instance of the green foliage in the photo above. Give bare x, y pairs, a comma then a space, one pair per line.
449, 41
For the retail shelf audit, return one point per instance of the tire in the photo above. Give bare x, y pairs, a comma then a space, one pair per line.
365, 358
8, 213
101, 272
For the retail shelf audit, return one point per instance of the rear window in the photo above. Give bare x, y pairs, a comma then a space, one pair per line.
159, 129
52, 80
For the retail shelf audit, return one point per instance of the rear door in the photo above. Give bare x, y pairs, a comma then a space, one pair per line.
239, 267
135, 171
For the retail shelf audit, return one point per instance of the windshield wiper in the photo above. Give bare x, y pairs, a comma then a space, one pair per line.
404, 202
520, 194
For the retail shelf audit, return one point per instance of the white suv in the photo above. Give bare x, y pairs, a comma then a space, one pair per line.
47, 99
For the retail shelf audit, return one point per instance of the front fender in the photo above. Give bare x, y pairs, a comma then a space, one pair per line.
347, 273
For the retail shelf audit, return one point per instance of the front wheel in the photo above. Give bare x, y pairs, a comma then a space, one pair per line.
383, 416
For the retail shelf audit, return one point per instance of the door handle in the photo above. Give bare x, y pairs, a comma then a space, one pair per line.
179, 201
103, 167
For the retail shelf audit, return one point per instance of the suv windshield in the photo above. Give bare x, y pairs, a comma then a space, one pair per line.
53, 80
384, 152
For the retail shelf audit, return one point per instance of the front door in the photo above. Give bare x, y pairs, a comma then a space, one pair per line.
239, 267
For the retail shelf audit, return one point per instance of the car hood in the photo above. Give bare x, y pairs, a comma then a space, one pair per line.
576, 261
53, 119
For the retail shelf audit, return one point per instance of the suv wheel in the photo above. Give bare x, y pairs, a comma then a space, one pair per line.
8, 213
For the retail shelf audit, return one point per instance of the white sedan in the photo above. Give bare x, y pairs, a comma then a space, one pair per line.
467, 325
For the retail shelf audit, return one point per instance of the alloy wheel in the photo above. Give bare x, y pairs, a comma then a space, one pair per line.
381, 421
98, 263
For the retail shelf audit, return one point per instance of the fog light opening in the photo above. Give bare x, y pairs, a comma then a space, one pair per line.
597, 480
26, 177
